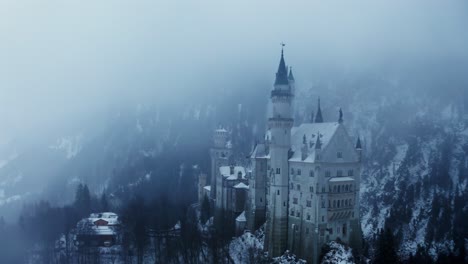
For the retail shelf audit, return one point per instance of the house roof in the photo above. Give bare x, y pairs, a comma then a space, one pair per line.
311, 130
226, 172
259, 151
241, 186
241, 217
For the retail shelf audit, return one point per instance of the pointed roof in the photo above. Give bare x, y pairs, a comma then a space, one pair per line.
282, 74
318, 116
290, 76
358, 143
318, 143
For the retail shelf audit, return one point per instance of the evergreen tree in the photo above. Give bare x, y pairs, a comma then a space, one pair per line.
104, 203
205, 210
386, 252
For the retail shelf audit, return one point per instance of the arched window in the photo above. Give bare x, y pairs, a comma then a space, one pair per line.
334, 188
311, 173
292, 171
338, 204
339, 188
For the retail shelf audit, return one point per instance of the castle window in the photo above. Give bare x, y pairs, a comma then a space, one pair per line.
277, 192
311, 189
323, 203
308, 217
329, 204
339, 173
323, 220
334, 204
311, 173
298, 214
346, 202
338, 204
261, 200
327, 173
292, 212
339, 188
339, 154
298, 171
334, 188
294, 200
278, 170
347, 188
309, 204
352, 214
284, 204
292, 171
350, 173
298, 187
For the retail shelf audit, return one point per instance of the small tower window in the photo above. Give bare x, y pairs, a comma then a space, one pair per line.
292, 171
292, 212
308, 217
323, 220
298, 171
298, 187
294, 200
309, 204
311, 173
278, 170
311, 189
298, 214
339, 154
277, 192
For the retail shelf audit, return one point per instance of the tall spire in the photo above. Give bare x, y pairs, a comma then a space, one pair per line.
340, 119
318, 116
358, 143
290, 76
282, 74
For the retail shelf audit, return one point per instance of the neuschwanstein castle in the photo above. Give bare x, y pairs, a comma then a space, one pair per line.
303, 181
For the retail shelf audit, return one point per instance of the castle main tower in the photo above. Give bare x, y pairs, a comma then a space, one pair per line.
280, 123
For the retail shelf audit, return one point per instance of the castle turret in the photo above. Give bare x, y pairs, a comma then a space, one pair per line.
318, 116
219, 157
280, 123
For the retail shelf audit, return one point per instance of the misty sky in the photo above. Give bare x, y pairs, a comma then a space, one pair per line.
61, 59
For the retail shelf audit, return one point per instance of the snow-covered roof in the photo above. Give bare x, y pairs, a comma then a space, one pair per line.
259, 151
341, 179
241, 186
241, 217
311, 131
111, 218
226, 172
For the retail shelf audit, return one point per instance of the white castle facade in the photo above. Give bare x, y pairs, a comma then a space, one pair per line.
303, 181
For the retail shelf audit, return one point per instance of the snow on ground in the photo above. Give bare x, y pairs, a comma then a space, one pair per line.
248, 246
339, 254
